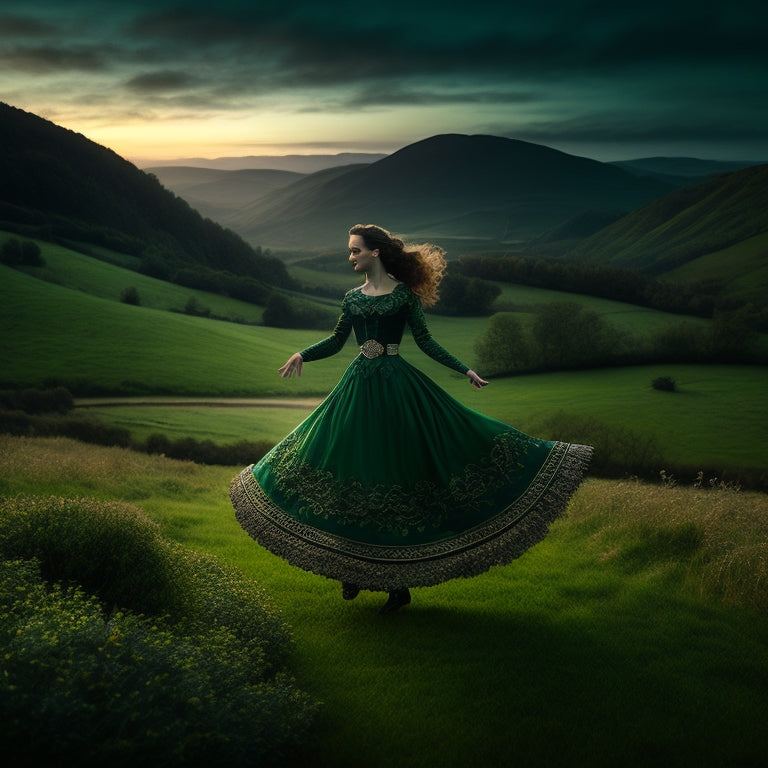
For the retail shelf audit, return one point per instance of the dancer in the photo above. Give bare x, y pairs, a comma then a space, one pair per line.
390, 482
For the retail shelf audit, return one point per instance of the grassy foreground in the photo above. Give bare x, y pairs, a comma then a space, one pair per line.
634, 635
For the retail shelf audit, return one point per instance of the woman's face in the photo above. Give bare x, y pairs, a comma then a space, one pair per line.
359, 255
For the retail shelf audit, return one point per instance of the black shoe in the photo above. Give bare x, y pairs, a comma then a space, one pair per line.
397, 599
349, 591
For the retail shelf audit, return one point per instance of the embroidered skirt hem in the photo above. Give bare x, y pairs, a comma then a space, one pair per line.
497, 541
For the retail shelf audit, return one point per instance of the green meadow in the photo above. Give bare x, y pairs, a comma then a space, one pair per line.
634, 635
717, 418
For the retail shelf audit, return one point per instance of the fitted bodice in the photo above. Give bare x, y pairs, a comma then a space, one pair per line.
382, 318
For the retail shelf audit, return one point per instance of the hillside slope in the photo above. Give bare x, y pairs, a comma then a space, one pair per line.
686, 225
55, 183
450, 185
216, 193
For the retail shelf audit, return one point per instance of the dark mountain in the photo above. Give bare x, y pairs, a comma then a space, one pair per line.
55, 183
294, 163
450, 186
686, 225
216, 193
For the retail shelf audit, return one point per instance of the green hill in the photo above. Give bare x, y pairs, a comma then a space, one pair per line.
714, 228
56, 184
448, 186
96, 345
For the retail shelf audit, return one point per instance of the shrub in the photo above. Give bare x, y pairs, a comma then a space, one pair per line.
109, 548
89, 689
113, 551
130, 295
619, 452
504, 347
194, 308
664, 384
281, 312
15, 253
460, 295
52, 399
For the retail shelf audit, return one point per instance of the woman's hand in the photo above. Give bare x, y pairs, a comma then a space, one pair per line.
293, 365
476, 381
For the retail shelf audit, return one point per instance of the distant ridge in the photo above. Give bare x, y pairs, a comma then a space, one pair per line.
293, 163
216, 193
690, 168
451, 185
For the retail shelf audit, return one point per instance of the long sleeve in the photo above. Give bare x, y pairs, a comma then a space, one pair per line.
334, 342
424, 340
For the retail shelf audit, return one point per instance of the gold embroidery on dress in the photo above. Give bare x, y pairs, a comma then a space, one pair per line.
426, 505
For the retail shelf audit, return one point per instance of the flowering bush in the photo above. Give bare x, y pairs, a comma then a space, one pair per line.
103, 666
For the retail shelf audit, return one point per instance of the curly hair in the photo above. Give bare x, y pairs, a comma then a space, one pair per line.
420, 267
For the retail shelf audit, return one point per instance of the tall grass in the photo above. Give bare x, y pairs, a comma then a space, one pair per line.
633, 635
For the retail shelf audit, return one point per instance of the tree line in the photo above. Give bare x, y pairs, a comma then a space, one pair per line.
566, 335
701, 299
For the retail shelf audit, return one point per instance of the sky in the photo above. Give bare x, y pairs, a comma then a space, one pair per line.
163, 79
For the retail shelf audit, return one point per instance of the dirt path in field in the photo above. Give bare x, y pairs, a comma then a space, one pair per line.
197, 402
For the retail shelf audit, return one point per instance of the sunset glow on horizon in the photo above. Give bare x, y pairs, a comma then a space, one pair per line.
157, 80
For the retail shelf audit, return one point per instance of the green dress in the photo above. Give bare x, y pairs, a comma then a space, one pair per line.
390, 482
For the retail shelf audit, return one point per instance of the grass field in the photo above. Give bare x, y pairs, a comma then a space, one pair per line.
742, 268
633, 635
717, 418
105, 280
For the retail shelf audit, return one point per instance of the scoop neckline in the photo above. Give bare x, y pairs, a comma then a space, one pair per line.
378, 295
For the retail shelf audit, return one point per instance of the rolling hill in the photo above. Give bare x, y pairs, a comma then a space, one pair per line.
706, 223
56, 184
214, 192
450, 186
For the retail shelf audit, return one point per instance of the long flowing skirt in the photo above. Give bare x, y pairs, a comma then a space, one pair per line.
390, 482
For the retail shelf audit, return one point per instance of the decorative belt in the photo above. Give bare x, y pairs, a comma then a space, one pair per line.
372, 349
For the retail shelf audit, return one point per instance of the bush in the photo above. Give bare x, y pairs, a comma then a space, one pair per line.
664, 384
130, 295
113, 551
54, 399
562, 336
194, 308
469, 296
619, 452
281, 312
504, 347
89, 689
16, 253
110, 549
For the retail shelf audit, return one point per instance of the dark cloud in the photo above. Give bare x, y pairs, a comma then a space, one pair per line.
45, 59
566, 69
393, 95
608, 127
161, 81
24, 26
297, 51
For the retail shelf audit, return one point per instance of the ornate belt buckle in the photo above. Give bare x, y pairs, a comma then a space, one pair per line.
372, 349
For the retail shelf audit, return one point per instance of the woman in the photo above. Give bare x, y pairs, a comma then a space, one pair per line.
391, 483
